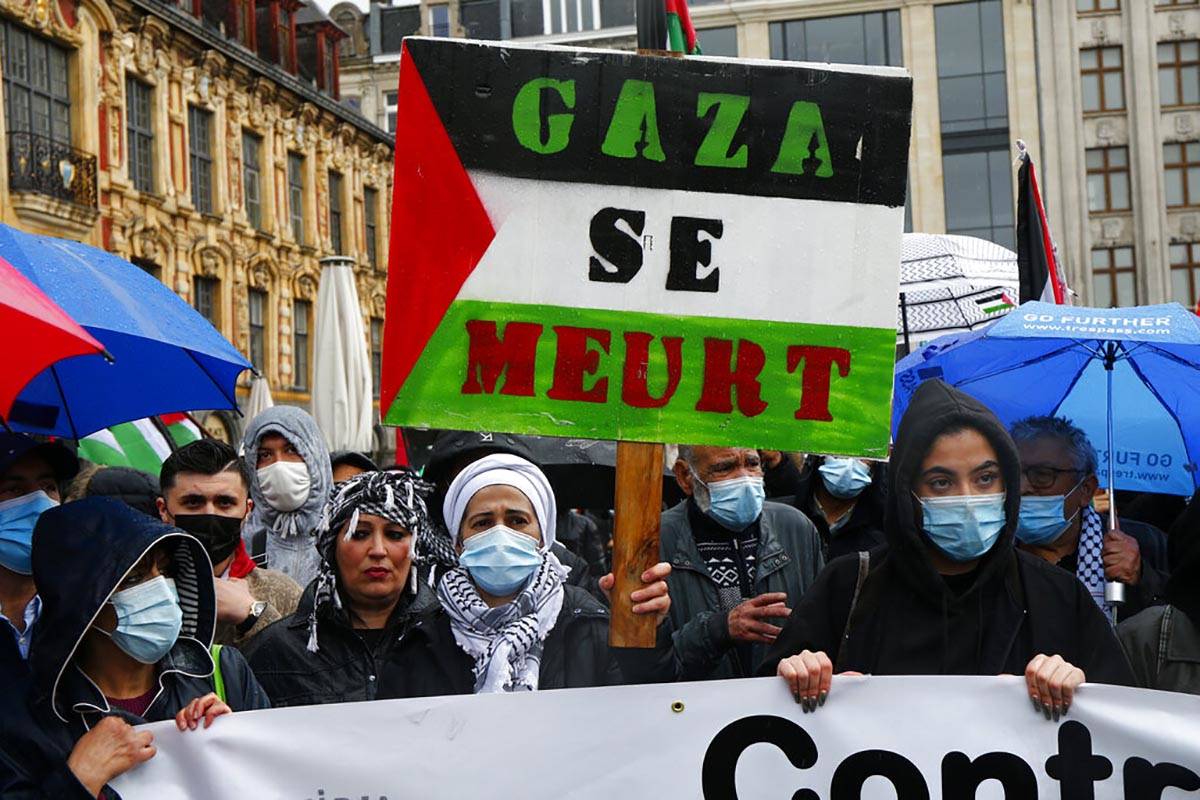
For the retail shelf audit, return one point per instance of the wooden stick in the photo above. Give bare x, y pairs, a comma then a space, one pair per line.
638, 505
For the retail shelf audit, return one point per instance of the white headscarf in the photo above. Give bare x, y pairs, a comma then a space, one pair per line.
502, 469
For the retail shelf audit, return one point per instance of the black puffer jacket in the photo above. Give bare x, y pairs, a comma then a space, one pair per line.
345, 667
908, 621
81, 552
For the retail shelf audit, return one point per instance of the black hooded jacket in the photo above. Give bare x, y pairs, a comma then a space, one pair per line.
81, 553
909, 621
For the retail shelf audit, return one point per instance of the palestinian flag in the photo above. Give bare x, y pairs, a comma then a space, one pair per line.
1037, 261
142, 444
680, 32
609, 246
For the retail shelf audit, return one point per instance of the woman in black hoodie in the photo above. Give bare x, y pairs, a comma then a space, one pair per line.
948, 594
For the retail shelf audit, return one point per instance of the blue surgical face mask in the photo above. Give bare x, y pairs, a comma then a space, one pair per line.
734, 503
17, 518
964, 527
1043, 519
845, 477
500, 560
148, 619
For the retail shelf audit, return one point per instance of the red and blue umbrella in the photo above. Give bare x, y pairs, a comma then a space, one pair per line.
166, 355
37, 334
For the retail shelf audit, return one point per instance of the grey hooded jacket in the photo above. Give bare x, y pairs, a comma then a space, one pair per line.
291, 546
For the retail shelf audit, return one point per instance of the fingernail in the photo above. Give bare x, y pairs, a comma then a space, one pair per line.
1037, 707
798, 698
1046, 711
824, 696
1066, 708
1057, 712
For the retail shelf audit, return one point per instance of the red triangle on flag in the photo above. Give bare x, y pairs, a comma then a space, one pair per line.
440, 231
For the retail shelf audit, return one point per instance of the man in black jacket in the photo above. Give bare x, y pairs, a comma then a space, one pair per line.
844, 498
125, 637
1059, 462
948, 594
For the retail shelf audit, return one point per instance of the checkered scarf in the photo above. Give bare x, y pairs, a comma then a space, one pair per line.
398, 496
506, 641
1089, 565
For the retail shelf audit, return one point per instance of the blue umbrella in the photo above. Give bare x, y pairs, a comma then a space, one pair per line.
1129, 377
167, 356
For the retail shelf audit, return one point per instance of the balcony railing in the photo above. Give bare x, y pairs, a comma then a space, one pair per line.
42, 165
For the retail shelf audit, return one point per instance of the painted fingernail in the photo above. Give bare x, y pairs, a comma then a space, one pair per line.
1066, 708
1057, 712
1037, 707
1046, 711
798, 698
823, 698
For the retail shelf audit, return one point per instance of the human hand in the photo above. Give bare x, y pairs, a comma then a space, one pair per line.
1122, 557
652, 598
208, 708
1052, 682
111, 748
747, 619
809, 676
233, 600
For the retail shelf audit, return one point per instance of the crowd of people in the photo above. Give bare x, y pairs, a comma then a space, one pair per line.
279, 574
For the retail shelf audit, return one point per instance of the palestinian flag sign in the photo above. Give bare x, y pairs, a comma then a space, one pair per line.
602, 245
142, 444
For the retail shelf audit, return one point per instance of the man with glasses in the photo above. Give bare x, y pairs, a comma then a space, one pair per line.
1058, 523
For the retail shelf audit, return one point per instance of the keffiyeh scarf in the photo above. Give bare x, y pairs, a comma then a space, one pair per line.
1089, 565
397, 496
506, 641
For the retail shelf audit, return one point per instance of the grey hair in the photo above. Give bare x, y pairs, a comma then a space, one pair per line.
1083, 454
686, 454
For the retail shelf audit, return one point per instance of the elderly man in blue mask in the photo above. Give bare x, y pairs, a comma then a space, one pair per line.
739, 563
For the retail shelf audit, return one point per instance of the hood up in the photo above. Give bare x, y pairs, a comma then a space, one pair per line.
935, 408
301, 430
81, 553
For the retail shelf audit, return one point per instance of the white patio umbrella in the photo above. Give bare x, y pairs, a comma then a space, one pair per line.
952, 284
341, 391
260, 397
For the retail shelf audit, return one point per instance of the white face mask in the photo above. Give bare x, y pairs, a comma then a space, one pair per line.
285, 485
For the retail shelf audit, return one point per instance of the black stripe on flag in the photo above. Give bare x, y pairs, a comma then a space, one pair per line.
865, 118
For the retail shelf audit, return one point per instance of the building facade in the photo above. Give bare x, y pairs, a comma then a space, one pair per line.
204, 142
1106, 94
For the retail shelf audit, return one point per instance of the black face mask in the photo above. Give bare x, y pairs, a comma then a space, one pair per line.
219, 535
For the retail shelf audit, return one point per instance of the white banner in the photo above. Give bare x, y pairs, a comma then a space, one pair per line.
879, 738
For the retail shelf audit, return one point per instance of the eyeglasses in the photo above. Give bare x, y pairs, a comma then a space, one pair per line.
1044, 477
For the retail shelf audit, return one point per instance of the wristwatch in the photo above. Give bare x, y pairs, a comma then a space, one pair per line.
256, 610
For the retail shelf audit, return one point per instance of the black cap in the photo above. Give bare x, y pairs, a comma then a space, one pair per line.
354, 459
15, 446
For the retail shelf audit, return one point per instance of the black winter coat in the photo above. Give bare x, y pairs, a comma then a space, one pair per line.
908, 620
81, 552
345, 667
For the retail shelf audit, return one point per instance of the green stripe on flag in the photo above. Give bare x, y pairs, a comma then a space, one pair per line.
859, 403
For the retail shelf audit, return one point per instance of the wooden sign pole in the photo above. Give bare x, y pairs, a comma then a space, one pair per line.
638, 505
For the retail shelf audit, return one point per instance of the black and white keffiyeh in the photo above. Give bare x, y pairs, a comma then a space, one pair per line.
506, 641
396, 495
1089, 564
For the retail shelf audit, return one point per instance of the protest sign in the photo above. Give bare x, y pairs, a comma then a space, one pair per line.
603, 245
912, 738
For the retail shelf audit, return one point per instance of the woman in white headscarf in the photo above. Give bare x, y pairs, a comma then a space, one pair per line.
507, 621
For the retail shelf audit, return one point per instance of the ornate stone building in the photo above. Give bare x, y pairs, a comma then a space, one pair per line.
205, 142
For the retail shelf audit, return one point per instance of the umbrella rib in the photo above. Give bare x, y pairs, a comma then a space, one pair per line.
1174, 418
66, 406
1021, 365
220, 388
